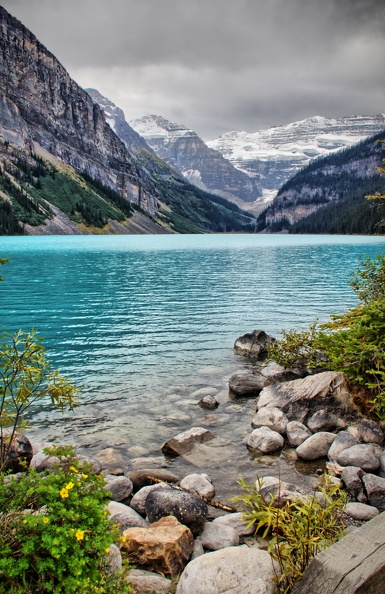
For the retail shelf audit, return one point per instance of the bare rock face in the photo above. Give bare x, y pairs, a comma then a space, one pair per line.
253, 344
165, 546
300, 398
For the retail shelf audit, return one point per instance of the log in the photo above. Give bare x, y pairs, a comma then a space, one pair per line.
353, 565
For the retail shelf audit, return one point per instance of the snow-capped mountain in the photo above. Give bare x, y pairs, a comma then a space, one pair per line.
201, 165
279, 152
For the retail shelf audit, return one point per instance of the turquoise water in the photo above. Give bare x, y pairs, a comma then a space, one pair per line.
142, 322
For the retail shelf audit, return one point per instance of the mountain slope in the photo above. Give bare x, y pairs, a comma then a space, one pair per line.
42, 110
279, 152
204, 167
328, 196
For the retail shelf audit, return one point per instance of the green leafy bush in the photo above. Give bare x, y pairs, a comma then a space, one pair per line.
55, 532
298, 530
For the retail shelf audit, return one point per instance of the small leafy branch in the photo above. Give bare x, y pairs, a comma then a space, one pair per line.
26, 377
297, 530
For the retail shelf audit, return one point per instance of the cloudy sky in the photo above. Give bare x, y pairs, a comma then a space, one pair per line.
220, 65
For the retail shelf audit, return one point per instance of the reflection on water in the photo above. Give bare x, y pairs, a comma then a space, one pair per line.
143, 322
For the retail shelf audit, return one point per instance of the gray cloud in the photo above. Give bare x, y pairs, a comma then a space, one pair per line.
218, 65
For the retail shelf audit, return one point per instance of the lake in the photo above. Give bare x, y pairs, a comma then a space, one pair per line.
141, 323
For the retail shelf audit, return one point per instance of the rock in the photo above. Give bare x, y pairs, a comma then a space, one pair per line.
218, 536
375, 490
19, 454
198, 549
138, 502
343, 441
253, 344
164, 546
113, 560
360, 511
147, 582
235, 521
140, 463
184, 442
95, 464
142, 478
300, 398
205, 392
186, 507
324, 420
247, 383
41, 462
296, 433
280, 492
235, 570
120, 486
382, 465
209, 403
264, 441
200, 484
131, 517
351, 477
361, 455
270, 417
109, 458
316, 446
370, 432
125, 521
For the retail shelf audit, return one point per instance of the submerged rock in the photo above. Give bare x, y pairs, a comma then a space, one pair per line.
184, 442
253, 344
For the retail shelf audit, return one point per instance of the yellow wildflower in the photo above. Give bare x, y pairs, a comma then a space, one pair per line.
45, 520
107, 551
64, 493
70, 485
24, 521
84, 475
105, 512
74, 469
79, 534
123, 538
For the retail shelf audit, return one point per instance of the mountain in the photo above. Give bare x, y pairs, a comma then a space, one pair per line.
202, 166
61, 162
328, 195
277, 153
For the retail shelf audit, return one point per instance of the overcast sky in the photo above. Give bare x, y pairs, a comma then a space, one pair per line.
220, 65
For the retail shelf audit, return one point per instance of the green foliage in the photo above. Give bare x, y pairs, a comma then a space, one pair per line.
353, 342
55, 532
26, 376
298, 530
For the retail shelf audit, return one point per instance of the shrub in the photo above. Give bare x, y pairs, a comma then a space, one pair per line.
298, 530
55, 532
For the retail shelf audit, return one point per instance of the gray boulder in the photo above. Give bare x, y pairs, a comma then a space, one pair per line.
234, 570
184, 442
324, 420
128, 517
370, 432
235, 521
270, 417
148, 582
208, 403
142, 478
200, 484
247, 383
138, 502
360, 511
187, 508
41, 462
253, 344
316, 446
382, 464
296, 433
362, 455
218, 536
264, 441
351, 477
113, 560
110, 458
343, 441
375, 490
120, 487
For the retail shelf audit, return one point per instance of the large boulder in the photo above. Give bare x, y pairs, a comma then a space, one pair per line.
375, 490
234, 570
184, 442
247, 383
296, 433
362, 455
125, 516
218, 536
235, 520
253, 344
351, 477
316, 446
369, 431
271, 417
138, 502
120, 487
300, 398
185, 507
360, 511
110, 458
164, 546
324, 420
264, 441
343, 441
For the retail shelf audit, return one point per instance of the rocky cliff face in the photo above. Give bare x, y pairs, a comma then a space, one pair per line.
202, 166
278, 153
40, 103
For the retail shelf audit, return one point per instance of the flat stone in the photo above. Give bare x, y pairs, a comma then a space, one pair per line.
184, 442
199, 484
375, 490
324, 420
164, 546
270, 417
351, 477
234, 570
370, 432
361, 455
120, 487
296, 433
360, 511
142, 478
264, 441
316, 446
189, 509
218, 536
138, 502
343, 441
235, 521
147, 582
